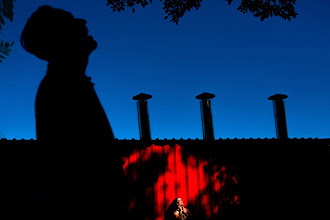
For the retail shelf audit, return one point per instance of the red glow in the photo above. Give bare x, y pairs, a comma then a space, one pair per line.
236, 199
159, 186
192, 179
185, 179
170, 176
180, 175
234, 179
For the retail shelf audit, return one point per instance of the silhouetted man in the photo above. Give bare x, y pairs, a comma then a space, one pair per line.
67, 106
70, 121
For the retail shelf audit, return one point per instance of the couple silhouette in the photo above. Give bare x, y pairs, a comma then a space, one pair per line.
81, 171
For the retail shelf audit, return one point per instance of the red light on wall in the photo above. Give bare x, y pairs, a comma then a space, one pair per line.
165, 175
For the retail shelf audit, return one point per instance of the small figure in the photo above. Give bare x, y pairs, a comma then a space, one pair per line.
176, 211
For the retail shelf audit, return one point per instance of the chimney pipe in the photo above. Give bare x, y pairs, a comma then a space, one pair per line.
279, 114
143, 116
207, 123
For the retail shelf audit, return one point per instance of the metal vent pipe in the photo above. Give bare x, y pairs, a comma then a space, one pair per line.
207, 122
143, 116
279, 114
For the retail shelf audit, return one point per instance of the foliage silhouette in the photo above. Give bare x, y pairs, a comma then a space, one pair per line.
6, 11
5, 49
175, 9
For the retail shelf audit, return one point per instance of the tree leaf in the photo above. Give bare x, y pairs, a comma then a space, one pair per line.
7, 11
5, 49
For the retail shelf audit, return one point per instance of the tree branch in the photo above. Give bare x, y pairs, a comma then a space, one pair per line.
175, 9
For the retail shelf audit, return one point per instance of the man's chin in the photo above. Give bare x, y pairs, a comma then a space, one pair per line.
92, 44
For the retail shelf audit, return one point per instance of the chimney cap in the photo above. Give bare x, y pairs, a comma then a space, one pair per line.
142, 96
205, 96
278, 97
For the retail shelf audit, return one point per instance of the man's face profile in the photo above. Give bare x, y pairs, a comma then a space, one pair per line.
75, 34
53, 34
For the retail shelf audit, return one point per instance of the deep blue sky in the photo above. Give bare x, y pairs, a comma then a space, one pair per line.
216, 49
